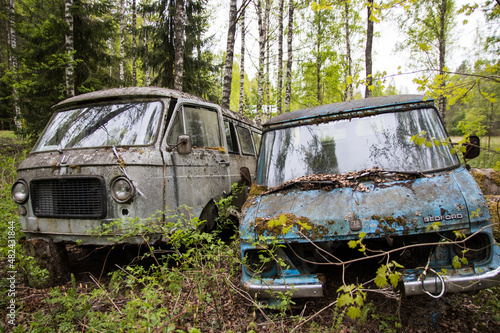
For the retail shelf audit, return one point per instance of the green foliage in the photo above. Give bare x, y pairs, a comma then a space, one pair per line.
358, 243
352, 298
388, 271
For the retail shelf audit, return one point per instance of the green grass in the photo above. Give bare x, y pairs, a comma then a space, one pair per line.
8, 134
488, 158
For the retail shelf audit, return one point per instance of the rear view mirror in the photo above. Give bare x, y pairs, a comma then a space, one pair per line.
472, 147
184, 144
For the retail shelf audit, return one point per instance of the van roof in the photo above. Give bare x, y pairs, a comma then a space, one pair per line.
344, 107
124, 93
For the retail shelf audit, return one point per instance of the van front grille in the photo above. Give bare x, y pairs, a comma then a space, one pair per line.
69, 197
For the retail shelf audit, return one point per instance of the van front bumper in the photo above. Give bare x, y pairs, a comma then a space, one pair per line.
297, 287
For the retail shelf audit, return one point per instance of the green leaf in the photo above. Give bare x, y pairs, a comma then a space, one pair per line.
345, 299
394, 278
381, 281
353, 312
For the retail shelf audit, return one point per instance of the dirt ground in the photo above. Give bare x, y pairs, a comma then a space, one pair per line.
452, 313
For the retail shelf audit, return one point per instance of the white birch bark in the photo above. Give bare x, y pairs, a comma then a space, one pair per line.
122, 42
288, 88
262, 46
228, 66
242, 64
70, 46
179, 44
279, 87
134, 42
13, 64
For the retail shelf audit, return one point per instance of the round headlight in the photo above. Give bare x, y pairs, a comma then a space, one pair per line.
20, 192
122, 190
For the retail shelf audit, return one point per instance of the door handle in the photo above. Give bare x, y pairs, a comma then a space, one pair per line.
225, 163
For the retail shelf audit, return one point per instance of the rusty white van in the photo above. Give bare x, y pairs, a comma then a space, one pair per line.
127, 153
335, 179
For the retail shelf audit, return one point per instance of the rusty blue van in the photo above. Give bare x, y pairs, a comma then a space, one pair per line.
354, 172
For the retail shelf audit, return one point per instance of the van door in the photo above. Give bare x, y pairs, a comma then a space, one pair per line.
196, 178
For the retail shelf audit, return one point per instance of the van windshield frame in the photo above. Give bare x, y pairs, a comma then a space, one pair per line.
116, 123
380, 141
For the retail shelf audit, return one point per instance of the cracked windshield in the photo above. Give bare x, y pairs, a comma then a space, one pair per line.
382, 141
126, 124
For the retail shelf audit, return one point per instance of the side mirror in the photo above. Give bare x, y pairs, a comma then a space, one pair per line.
472, 148
246, 178
184, 144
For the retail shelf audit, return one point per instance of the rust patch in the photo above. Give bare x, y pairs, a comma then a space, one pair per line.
219, 149
387, 224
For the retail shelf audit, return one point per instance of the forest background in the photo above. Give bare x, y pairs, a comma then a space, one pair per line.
261, 58
291, 54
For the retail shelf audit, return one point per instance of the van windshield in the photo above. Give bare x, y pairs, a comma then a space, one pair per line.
381, 141
117, 124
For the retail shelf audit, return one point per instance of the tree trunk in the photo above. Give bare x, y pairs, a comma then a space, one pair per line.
318, 59
134, 42
348, 91
13, 63
242, 65
228, 67
146, 61
288, 92
280, 58
70, 66
179, 44
368, 50
268, 58
50, 256
122, 41
443, 11
262, 47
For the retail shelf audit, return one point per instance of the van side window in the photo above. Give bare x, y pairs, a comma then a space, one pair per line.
201, 124
245, 140
256, 141
232, 144
177, 128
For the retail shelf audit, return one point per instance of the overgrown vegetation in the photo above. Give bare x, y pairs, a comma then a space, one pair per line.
190, 284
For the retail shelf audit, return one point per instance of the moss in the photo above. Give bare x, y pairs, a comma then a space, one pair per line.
495, 177
386, 223
288, 222
256, 190
480, 179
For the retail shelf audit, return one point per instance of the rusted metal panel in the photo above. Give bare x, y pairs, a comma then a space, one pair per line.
311, 212
161, 178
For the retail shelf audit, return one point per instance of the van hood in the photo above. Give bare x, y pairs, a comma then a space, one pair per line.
395, 208
76, 158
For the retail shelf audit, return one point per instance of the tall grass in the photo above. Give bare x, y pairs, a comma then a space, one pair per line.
490, 153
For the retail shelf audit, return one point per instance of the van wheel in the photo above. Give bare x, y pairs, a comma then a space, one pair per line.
208, 215
50, 256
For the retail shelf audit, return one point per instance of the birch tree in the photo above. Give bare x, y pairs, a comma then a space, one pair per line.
288, 85
134, 42
368, 49
262, 47
242, 62
70, 70
228, 66
179, 44
279, 86
122, 41
13, 62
